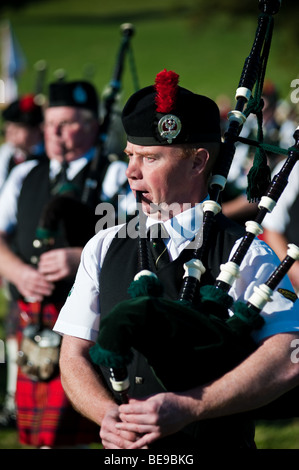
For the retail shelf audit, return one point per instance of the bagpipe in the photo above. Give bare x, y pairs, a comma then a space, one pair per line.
41, 71
64, 222
67, 220
69, 214
193, 345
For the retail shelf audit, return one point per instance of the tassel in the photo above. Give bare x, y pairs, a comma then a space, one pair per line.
166, 85
245, 318
144, 286
259, 176
217, 296
27, 104
107, 358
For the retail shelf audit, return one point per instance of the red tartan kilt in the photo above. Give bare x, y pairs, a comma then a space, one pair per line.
29, 314
45, 416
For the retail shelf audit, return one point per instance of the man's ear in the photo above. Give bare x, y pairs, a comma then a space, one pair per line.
200, 161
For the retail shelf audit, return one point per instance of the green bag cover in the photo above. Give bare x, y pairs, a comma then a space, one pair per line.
183, 346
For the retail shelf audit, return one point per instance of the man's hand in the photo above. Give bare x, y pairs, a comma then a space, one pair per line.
32, 284
111, 436
60, 263
154, 418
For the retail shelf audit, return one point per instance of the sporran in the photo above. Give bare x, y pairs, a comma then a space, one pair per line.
38, 356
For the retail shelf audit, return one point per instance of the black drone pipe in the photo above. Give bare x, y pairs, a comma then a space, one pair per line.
253, 228
251, 70
127, 30
41, 71
91, 189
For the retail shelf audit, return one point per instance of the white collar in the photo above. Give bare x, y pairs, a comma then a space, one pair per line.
184, 226
74, 166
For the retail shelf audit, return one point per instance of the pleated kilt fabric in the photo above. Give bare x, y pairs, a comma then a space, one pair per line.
45, 417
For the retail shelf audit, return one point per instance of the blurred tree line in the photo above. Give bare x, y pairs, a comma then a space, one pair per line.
236, 7
16, 4
200, 11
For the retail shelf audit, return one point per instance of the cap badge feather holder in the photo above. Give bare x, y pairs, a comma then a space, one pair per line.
166, 85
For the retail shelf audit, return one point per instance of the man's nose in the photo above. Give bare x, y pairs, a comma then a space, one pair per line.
57, 129
133, 171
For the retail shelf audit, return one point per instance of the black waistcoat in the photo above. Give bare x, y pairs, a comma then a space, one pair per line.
119, 268
12, 163
34, 197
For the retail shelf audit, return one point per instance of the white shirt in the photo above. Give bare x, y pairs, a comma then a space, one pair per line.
6, 152
80, 316
9, 196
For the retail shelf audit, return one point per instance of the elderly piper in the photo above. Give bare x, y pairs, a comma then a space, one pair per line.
41, 206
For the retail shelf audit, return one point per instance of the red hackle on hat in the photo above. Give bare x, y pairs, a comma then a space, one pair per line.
27, 103
166, 85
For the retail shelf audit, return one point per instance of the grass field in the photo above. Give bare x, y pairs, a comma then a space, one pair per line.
80, 36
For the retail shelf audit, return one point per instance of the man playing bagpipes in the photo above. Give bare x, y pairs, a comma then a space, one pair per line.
44, 224
173, 141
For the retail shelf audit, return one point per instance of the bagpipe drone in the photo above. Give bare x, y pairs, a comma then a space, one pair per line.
68, 215
70, 212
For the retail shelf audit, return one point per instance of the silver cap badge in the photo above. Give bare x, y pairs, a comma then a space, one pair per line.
169, 127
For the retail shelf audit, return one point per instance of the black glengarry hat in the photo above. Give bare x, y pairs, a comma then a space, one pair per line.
165, 114
77, 94
24, 111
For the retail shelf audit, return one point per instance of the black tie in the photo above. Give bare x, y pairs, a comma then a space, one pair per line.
159, 251
60, 179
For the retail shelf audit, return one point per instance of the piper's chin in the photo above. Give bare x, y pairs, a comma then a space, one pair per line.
156, 211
